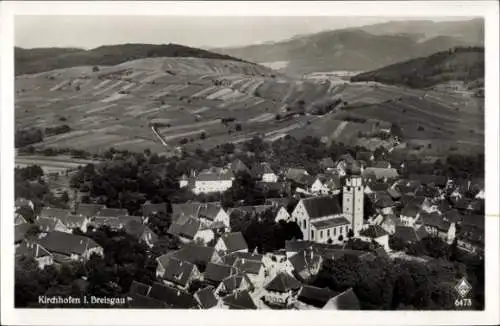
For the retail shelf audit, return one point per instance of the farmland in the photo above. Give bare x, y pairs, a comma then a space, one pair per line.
206, 102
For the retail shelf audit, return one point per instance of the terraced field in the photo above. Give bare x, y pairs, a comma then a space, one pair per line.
187, 98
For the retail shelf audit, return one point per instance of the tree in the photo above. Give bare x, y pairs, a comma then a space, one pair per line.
203, 136
238, 127
95, 69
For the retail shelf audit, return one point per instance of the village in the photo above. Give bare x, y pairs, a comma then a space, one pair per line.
356, 206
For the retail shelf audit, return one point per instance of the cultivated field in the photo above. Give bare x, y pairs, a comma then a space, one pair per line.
186, 98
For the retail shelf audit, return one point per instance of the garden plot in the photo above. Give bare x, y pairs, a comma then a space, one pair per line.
201, 110
68, 135
140, 112
108, 88
60, 85
262, 118
101, 109
114, 97
182, 135
205, 92
190, 126
102, 84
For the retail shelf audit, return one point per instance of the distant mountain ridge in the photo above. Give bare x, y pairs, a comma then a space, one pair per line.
363, 48
28, 61
459, 64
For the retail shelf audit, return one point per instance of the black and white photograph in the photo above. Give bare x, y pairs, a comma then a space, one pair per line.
222, 162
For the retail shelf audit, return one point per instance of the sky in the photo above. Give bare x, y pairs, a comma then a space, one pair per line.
93, 31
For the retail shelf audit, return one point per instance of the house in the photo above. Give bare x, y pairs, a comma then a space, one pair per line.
470, 233
327, 164
295, 174
390, 222
314, 296
207, 213
23, 202
19, 219
238, 167
49, 225
206, 298
436, 226
306, 264
409, 234
216, 273
213, 180
253, 269
172, 297
88, 210
115, 223
53, 213
410, 214
375, 233
381, 173
176, 272
37, 252
153, 209
230, 259
197, 254
183, 181
264, 172
139, 288
282, 215
279, 188
71, 222
239, 300
251, 211
66, 247
346, 300
21, 232
231, 242
282, 290
347, 164
234, 283
141, 232
394, 193
112, 212
381, 164
326, 184
191, 230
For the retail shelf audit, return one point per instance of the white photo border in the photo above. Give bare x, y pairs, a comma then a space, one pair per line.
486, 9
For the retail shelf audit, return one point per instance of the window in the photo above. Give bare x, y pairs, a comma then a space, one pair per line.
328, 233
312, 235
334, 231
304, 226
321, 234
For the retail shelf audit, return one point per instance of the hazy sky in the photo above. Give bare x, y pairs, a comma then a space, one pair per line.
93, 31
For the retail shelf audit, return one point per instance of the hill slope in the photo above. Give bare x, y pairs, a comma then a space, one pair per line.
30, 61
460, 64
357, 48
469, 31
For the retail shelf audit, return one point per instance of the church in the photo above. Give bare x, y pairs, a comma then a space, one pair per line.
326, 220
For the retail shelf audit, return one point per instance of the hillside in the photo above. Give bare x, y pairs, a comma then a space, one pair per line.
460, 64
358, 48
469, 31
202, 103
30, 61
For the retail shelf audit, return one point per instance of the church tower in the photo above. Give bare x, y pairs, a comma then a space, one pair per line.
353, 202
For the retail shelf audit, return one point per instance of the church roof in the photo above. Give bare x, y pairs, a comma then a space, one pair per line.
322, 206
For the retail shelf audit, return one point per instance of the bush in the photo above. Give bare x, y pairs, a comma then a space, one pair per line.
203, 136
277, 117
238, 127
420, 128
95, 69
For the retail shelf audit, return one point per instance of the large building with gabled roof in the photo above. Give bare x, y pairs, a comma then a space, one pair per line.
326, 219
